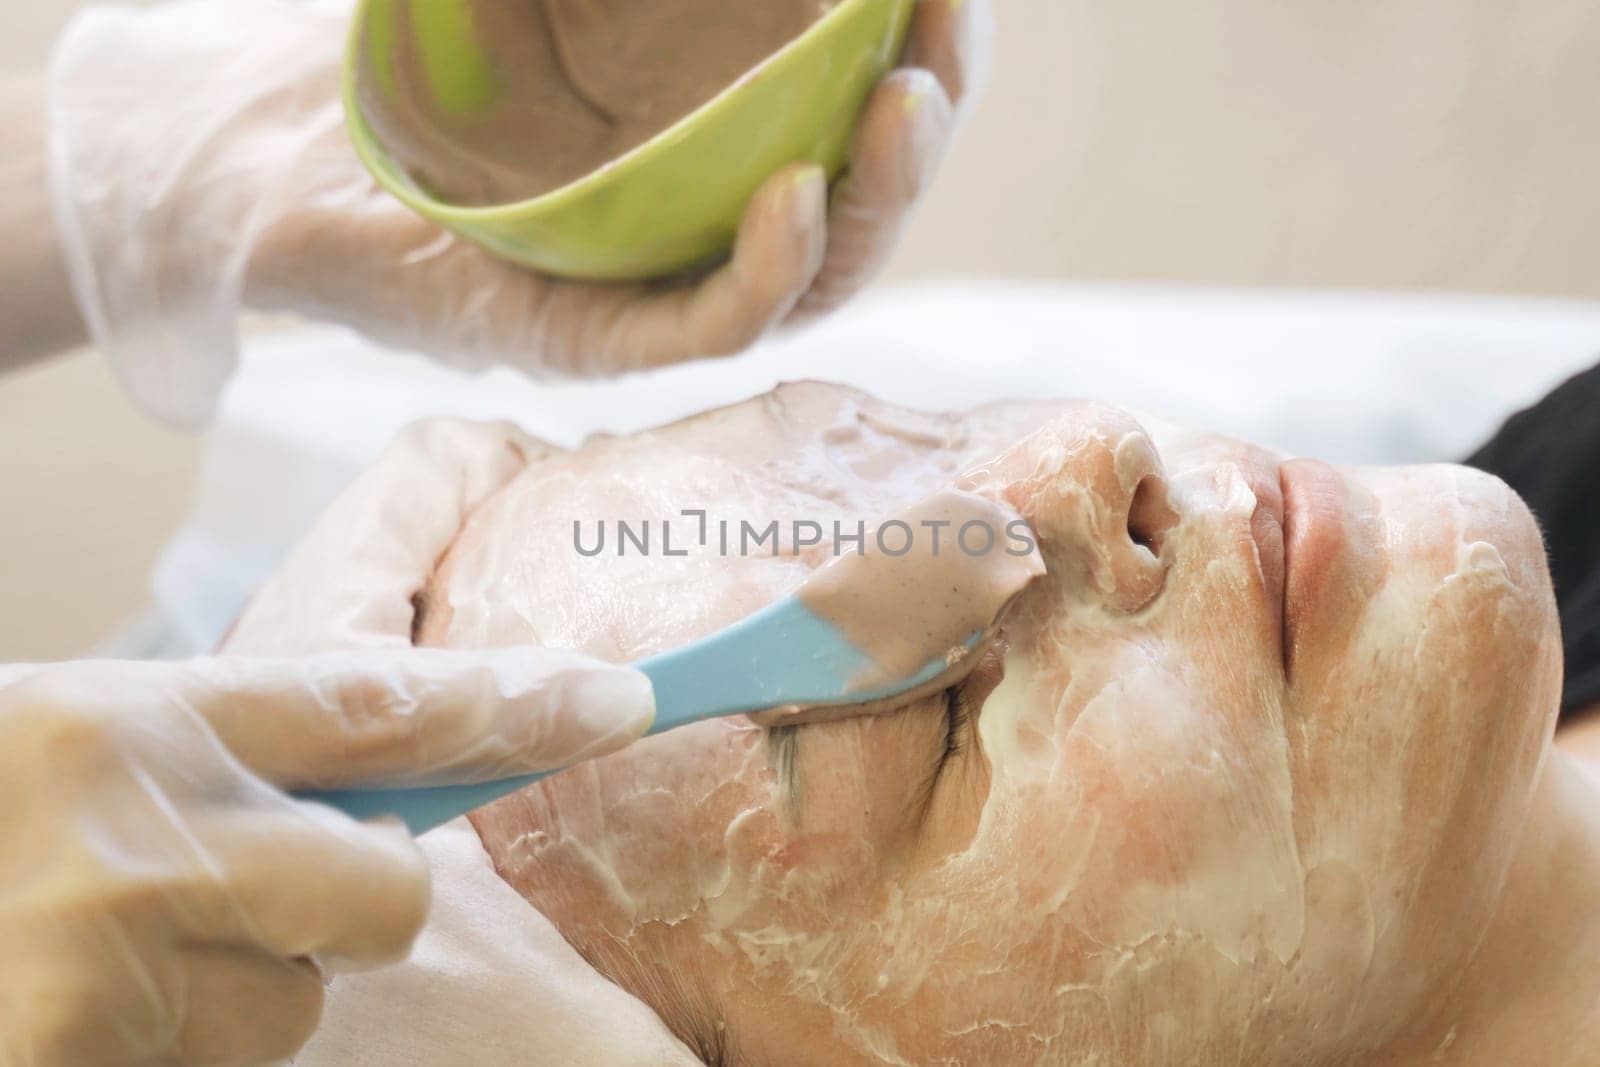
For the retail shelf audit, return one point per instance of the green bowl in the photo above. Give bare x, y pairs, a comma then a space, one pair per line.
674, 202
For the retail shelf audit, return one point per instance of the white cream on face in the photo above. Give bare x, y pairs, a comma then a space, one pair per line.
1161, 847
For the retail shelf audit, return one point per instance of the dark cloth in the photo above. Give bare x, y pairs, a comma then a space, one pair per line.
1550, 454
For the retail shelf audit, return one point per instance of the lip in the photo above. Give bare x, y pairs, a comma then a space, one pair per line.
1315, 520
1267, 531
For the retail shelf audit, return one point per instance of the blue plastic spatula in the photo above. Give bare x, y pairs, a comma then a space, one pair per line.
781, 655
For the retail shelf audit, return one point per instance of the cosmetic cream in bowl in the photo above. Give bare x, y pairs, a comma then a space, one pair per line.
607, 139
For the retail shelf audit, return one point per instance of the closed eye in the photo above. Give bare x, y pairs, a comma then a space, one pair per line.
963, 703
958, 724
958, 716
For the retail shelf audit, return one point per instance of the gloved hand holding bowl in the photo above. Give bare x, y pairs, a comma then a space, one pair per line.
672, 206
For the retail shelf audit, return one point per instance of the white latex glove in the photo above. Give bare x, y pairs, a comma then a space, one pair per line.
490, 982
199, 163
355, 579
161, 902
354, 582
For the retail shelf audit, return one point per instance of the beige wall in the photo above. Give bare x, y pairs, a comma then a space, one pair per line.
89, 490
1437, 144
29, 27
1404, 143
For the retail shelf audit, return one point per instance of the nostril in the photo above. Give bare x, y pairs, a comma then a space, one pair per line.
1150, 517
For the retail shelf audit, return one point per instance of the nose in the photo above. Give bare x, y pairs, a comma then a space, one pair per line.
1091, 485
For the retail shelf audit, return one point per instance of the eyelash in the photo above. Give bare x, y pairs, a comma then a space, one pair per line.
957, 718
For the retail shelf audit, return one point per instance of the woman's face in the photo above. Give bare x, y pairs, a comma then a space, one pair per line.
1240, 783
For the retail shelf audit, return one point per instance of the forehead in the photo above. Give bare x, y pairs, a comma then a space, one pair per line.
699, 499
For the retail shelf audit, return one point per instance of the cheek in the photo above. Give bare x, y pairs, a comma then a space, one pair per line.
1140, 769
1134, 863
647, 835
1156, 810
